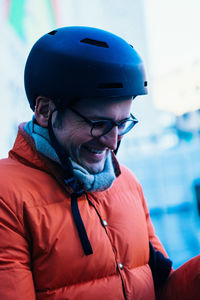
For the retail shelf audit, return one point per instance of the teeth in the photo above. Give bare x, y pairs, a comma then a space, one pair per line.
95, 150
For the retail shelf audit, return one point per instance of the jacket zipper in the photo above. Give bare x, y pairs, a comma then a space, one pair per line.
90, 202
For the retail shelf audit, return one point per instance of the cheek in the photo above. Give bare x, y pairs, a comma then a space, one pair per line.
79, 135
74, 138
69, 131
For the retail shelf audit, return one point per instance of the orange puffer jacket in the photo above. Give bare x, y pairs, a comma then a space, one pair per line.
41, 256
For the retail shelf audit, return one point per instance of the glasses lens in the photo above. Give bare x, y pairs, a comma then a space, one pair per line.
100, 128
125, 127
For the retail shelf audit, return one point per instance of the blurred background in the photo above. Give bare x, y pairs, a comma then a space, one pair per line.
164, 148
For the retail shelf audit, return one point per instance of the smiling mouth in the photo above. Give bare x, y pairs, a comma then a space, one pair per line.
93, 150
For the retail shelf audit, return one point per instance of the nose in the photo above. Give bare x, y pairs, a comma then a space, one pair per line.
110, 139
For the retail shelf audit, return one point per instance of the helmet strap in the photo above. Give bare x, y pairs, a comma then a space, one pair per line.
73, 182
64, 159
116, 150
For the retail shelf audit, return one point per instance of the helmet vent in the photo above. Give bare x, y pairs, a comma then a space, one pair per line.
145, 83
111, 85
95, 43
52, 32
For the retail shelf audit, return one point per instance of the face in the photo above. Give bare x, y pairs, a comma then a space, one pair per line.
73, 133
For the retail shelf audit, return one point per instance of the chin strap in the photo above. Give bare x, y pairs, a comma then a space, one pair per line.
65, 162
87, 248
74, 184
118, 144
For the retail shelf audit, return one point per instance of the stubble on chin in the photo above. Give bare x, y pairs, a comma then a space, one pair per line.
95, 168
92, 168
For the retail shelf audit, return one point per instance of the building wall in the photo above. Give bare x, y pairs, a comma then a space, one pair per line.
167, 176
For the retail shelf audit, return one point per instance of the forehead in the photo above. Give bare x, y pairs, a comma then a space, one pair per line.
103, 105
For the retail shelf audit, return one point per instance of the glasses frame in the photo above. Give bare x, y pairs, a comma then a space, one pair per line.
114, 123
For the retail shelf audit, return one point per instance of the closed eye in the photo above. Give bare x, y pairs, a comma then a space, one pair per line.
99, 124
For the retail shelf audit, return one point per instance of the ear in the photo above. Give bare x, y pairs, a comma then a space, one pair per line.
43, 108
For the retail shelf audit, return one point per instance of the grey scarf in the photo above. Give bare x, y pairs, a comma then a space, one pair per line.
92, 182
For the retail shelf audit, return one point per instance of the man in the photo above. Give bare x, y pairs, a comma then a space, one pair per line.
74, 224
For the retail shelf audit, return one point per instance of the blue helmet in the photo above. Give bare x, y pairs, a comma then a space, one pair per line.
71, 63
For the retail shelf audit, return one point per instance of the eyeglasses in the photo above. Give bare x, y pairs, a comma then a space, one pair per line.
102, 127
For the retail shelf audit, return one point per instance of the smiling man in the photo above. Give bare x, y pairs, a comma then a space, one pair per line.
74, 223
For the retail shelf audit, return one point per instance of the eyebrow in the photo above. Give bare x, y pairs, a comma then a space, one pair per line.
102, 118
